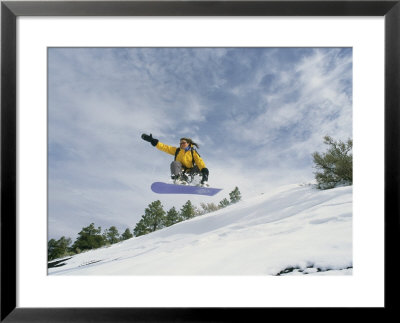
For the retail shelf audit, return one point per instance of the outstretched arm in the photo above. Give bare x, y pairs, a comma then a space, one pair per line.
166, 148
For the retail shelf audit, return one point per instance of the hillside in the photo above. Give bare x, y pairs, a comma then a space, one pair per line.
293, 230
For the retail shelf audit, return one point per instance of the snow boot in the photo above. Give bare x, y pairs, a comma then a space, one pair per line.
180, 179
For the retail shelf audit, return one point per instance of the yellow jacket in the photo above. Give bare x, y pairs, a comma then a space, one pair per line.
184, 157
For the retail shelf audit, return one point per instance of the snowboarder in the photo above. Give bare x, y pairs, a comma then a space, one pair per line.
187, 162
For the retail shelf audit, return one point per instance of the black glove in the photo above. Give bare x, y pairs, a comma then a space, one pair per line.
150, 139
205, 174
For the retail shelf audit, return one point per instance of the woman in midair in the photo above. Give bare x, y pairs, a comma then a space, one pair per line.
187, 162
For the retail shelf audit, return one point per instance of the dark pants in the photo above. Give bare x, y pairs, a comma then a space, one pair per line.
177, 168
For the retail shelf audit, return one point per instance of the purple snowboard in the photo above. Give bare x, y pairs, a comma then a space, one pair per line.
164, 188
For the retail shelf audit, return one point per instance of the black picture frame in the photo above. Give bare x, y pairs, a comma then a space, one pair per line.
10, 10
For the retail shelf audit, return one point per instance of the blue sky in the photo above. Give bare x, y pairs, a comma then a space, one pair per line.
257, 113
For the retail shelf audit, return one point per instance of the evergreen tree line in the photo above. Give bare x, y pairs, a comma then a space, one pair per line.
89, 238
154, 218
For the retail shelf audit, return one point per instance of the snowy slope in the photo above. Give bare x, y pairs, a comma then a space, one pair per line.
294, 230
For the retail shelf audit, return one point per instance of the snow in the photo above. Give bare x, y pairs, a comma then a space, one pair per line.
294, 230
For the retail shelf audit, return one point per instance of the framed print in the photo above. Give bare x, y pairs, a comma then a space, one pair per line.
52, 49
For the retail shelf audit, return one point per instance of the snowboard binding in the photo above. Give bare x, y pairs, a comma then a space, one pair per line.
189, 179
181, 179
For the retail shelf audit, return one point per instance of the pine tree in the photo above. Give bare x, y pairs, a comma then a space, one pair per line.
51, 249
126, 235
141, 228
172, 217
155, 215
223, 203
335, 167
89, 238
112, 235
188, 211
58, 249
152, 220
235, 195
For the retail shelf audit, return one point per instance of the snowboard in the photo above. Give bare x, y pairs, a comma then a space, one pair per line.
165, 188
